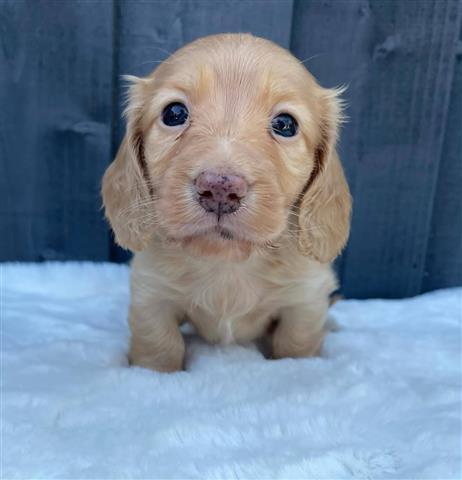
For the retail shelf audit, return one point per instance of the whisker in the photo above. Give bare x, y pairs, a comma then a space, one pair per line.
316, 55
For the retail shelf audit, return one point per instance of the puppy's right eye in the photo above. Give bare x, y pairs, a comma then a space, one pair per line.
284, 125
175, 114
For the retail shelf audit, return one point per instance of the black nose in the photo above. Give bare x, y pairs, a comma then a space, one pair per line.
220, 194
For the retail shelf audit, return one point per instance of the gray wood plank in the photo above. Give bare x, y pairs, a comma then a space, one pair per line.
340, 59
398, 58
55, 92
148, 32
444, 253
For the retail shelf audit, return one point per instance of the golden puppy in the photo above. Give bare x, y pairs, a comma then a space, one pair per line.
229, 188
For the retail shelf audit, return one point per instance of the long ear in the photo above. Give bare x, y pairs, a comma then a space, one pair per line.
325, 207
127, 188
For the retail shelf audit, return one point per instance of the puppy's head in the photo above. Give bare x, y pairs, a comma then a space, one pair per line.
230, 146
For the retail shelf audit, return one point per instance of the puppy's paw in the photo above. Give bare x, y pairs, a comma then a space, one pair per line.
155, 363
168, 360
285, 346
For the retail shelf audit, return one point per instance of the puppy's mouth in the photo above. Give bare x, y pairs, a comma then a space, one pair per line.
216, 232
212, 242
206, 231
224, 233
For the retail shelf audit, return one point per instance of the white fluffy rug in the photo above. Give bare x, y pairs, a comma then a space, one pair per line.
384, 401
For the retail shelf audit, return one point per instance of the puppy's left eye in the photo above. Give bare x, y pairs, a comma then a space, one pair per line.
284, 125
175, 114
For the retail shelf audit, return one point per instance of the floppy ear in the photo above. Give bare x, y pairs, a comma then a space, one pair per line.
127, 188
325, 205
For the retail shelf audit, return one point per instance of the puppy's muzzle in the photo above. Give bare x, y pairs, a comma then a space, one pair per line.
220, 194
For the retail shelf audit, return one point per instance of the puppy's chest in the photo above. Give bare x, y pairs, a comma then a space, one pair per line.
229, 303
226, 291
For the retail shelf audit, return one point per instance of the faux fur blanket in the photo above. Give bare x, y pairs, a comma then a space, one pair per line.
383, 401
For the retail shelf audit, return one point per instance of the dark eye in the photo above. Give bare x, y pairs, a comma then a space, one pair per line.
175, 114
284, 125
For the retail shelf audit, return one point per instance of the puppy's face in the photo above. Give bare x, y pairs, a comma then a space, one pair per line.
224, 141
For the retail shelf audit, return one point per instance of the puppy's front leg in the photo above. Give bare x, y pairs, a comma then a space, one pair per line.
156, 340
300, 331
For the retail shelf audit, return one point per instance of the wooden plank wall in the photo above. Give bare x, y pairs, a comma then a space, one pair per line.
60, 124
443, 265
55, 124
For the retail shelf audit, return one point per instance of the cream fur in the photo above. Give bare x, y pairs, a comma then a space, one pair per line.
294, 222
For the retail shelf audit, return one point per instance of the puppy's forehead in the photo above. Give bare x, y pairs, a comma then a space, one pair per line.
236, 69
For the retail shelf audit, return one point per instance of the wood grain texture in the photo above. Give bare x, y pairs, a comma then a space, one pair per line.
337, 60
443, 266
55, 92
402, 67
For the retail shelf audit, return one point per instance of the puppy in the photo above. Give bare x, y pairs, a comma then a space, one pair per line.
228, 187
